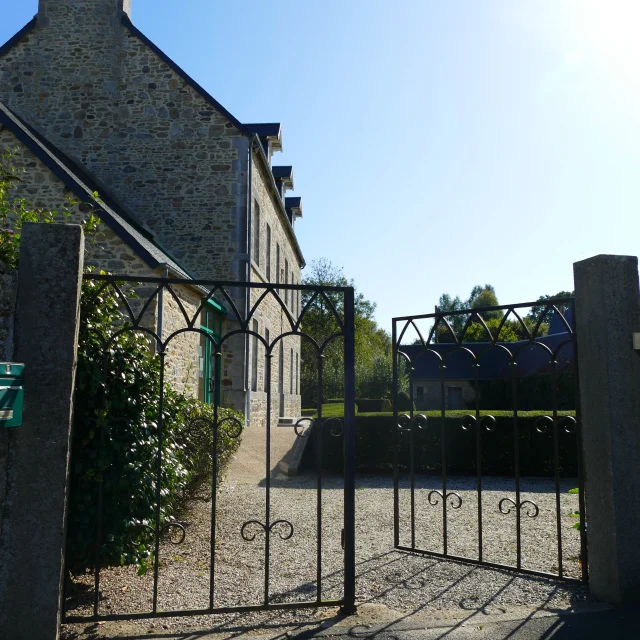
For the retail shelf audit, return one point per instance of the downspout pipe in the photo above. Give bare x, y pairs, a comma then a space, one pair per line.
247, 385
165, 275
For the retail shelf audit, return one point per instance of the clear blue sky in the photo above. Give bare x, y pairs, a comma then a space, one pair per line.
436, 145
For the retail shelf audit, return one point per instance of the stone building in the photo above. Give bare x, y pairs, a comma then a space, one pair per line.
91, 104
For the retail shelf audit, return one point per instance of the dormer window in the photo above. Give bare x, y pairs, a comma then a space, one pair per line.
293, 207
283, 177
270, 135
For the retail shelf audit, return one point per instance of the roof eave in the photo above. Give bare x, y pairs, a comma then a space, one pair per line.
279, 204
11, 42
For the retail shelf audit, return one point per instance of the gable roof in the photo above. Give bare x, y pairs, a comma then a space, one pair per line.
260, 131
18, 36
83, 186
126, 21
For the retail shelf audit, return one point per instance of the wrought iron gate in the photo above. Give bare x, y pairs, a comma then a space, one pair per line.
446, 350
171, 315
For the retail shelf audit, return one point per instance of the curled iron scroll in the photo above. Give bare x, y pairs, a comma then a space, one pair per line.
335, 426
543, 423
285, 532
455, 501
236, 423
469, 421
177, 532
300, 430
407, 423
567, 423
531, 508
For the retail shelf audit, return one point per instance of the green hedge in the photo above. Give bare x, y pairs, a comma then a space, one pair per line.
375, 440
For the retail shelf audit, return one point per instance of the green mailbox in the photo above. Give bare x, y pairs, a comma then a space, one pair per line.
11, 394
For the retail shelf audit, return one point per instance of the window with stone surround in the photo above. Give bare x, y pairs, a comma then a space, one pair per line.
256, 232
268, 253
254, 357
278, 266
286, 281
291, 374
266, 338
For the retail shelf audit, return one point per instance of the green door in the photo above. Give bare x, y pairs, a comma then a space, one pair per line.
212, 319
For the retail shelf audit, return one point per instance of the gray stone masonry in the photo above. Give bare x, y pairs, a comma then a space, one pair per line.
607, 313
32, 537
8, 282
177, 164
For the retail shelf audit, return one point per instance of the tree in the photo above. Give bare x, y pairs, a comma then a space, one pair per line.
537, 310
373, 345
484, 297
479, 297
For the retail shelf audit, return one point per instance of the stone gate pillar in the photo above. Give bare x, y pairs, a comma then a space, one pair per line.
607, 315
33, 527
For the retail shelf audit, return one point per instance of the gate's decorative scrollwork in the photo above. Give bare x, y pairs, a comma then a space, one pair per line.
532, 509
407, 423
300, 430
455, 501
336, 428
177, 532
567, 424
469, 421
285, 533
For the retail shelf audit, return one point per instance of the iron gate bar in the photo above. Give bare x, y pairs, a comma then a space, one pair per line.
113, 617
491, 565
349, 605
567, 424
133, 324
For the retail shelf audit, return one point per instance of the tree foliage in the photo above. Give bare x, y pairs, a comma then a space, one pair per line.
373, 345
16, 210
509, 330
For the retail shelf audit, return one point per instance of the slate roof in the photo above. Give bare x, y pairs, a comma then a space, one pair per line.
82, 185
265, 129
293, 202
282, 172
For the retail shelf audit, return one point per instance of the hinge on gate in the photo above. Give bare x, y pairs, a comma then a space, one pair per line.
342, 538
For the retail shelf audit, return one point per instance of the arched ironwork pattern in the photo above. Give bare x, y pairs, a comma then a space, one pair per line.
467, 349
143, 303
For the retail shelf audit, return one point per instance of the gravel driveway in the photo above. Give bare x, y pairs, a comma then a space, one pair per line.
404, 582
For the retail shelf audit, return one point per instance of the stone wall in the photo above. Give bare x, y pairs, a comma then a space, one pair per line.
176, 163
182, 364
106, 251
109, 102
270, 315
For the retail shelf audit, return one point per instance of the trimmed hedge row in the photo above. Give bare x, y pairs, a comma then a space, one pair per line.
375, 440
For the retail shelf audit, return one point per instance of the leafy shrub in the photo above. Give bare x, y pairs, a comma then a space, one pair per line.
116, 439
404, 402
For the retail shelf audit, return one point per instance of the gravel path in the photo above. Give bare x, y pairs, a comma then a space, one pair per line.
404, 582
